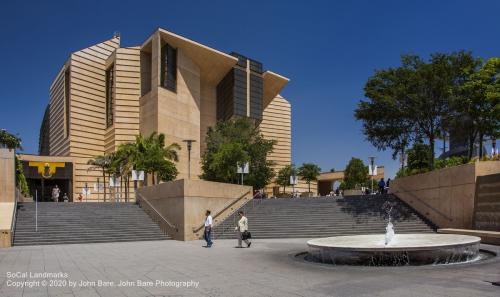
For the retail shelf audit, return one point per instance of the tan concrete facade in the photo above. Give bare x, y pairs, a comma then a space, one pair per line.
78, 126
445, 196
183, 204
7, 195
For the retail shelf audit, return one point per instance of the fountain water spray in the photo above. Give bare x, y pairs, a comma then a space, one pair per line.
389, 230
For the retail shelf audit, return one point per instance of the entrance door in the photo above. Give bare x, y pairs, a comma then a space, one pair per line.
44, 189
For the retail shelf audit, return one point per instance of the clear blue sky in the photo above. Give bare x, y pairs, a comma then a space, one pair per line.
327, 49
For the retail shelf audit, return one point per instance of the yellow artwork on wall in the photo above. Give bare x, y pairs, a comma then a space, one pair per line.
47, 169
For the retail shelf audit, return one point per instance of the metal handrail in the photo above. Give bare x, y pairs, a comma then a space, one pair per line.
157, 214
222, 211
14, 215
246, 208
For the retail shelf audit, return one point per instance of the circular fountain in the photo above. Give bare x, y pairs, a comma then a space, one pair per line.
392, 249
403, 249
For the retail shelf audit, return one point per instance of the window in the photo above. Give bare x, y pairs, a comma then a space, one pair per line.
110, 73
169, 68
67, 74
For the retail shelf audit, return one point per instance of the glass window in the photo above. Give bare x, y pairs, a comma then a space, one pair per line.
169, 68
110, 73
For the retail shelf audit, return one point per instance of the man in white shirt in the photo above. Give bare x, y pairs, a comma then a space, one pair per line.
55, 194
208, 229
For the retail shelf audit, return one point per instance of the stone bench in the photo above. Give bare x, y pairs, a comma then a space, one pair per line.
488, 237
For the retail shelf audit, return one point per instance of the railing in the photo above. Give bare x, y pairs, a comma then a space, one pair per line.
229, 206
255, 201
14, 215
165, 226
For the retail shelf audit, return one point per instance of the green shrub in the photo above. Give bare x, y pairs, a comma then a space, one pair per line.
21, 182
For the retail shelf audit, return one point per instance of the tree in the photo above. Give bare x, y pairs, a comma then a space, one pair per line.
419, 157
153, 157
412, 101
355, 174
12, 142
309, 172
9, 140
124, 161
102, 163
235, 142
149, 154
21, 182
283, 177
386, 123
478, 103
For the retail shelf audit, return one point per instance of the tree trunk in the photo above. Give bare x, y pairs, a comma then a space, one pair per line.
309, 184
481, 136
104, 184
402, 158
471, 146
109, 179
121, 189
431, 144
126, 186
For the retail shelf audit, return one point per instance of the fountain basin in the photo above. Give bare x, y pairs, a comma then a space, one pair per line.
404, 249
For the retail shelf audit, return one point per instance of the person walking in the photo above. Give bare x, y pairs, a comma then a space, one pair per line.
381, 186
242, 230
55, 194
387, 185
208, 229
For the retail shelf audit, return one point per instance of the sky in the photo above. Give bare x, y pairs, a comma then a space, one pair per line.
328, 49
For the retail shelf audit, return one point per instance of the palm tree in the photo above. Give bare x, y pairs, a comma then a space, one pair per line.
309, 172
152, 154
125, 161
283, 178
102, 163
169, 152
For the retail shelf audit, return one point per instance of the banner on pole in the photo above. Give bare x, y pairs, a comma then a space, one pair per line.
98, 187
294, 180
137, 175
243, 169
114, 182
372, 170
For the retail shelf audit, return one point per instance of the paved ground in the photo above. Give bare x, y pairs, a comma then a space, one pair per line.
266, 269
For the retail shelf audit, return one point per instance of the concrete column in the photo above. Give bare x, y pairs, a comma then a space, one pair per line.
155, 61
7, 175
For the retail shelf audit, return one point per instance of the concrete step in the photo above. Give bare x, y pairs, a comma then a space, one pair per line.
66, 223
313, 217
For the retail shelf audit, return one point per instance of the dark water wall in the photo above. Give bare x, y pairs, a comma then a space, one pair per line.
487, 203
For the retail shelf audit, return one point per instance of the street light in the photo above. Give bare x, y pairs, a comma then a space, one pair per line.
189, 146
372, 163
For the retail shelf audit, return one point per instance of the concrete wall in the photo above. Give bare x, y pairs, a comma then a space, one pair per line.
446, 196
487, 203
7, 194
184, 202
277, 125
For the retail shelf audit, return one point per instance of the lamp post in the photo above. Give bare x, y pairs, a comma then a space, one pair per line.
189, 143
372, 164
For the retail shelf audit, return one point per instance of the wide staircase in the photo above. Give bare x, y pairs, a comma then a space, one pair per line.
325, 216
65, 223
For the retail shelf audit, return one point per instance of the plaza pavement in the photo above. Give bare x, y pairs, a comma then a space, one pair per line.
266, 269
